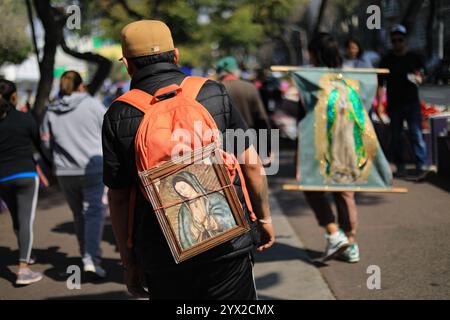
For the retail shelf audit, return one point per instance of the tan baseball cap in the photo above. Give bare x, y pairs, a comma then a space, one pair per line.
146, 37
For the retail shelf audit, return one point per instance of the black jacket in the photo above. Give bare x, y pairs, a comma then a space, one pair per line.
18, 133
119, 130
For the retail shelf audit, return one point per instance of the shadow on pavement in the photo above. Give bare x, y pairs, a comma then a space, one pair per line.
267, 281
59, 263
69, 228
285, 252
441, 182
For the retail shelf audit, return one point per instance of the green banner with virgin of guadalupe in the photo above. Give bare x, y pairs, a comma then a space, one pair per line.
338, 147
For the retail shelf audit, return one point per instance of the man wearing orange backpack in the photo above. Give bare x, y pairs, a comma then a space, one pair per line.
223, 272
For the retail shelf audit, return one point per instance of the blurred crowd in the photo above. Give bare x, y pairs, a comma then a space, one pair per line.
68, 143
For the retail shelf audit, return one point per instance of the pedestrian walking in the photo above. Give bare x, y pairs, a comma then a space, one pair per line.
246, 98
19, 181
354, 55
340, 235
244, 94
223, 272
403, 103
71, 137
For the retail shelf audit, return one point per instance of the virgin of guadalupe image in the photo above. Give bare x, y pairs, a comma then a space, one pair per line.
345, 141
201, 216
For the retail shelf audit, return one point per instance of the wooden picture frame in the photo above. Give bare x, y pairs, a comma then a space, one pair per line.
195, 202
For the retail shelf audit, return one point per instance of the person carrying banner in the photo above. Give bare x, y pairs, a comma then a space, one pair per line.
224, 272
324, 52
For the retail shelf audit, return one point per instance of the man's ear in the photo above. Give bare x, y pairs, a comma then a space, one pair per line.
177, 54
13, 99
130, 66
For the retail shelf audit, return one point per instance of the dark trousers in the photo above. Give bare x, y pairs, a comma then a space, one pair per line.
345, 205
413, 116
227, 279
20, 195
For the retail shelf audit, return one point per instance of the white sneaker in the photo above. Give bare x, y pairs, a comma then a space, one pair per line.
90, 267
336, 243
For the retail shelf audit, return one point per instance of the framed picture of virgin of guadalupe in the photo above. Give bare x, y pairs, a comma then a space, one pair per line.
195, 202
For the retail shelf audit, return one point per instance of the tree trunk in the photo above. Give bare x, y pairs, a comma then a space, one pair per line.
47, 64
33, 30
53, 21
323, 6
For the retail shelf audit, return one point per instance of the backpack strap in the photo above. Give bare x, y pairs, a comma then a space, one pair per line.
191, 86
137, 98
140, 100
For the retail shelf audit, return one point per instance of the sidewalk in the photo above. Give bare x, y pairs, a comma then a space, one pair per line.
283, 272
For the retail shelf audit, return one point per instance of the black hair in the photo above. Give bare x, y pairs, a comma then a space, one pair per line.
70, 81
7, 88
141, 62
325, 50
358, 43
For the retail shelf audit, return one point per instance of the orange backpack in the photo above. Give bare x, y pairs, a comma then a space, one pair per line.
174, 107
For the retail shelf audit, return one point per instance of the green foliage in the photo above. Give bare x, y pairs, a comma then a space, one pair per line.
232, 25
272, 14
14, 42
347, 7
237, 31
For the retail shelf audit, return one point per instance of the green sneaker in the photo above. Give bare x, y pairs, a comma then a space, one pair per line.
351, 254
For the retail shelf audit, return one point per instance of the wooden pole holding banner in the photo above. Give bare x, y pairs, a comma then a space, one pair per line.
357, 70
296, 187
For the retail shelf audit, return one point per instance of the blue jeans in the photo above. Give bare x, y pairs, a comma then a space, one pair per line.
84, 196
413, 116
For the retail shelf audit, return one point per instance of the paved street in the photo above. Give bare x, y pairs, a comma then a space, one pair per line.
405, 235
